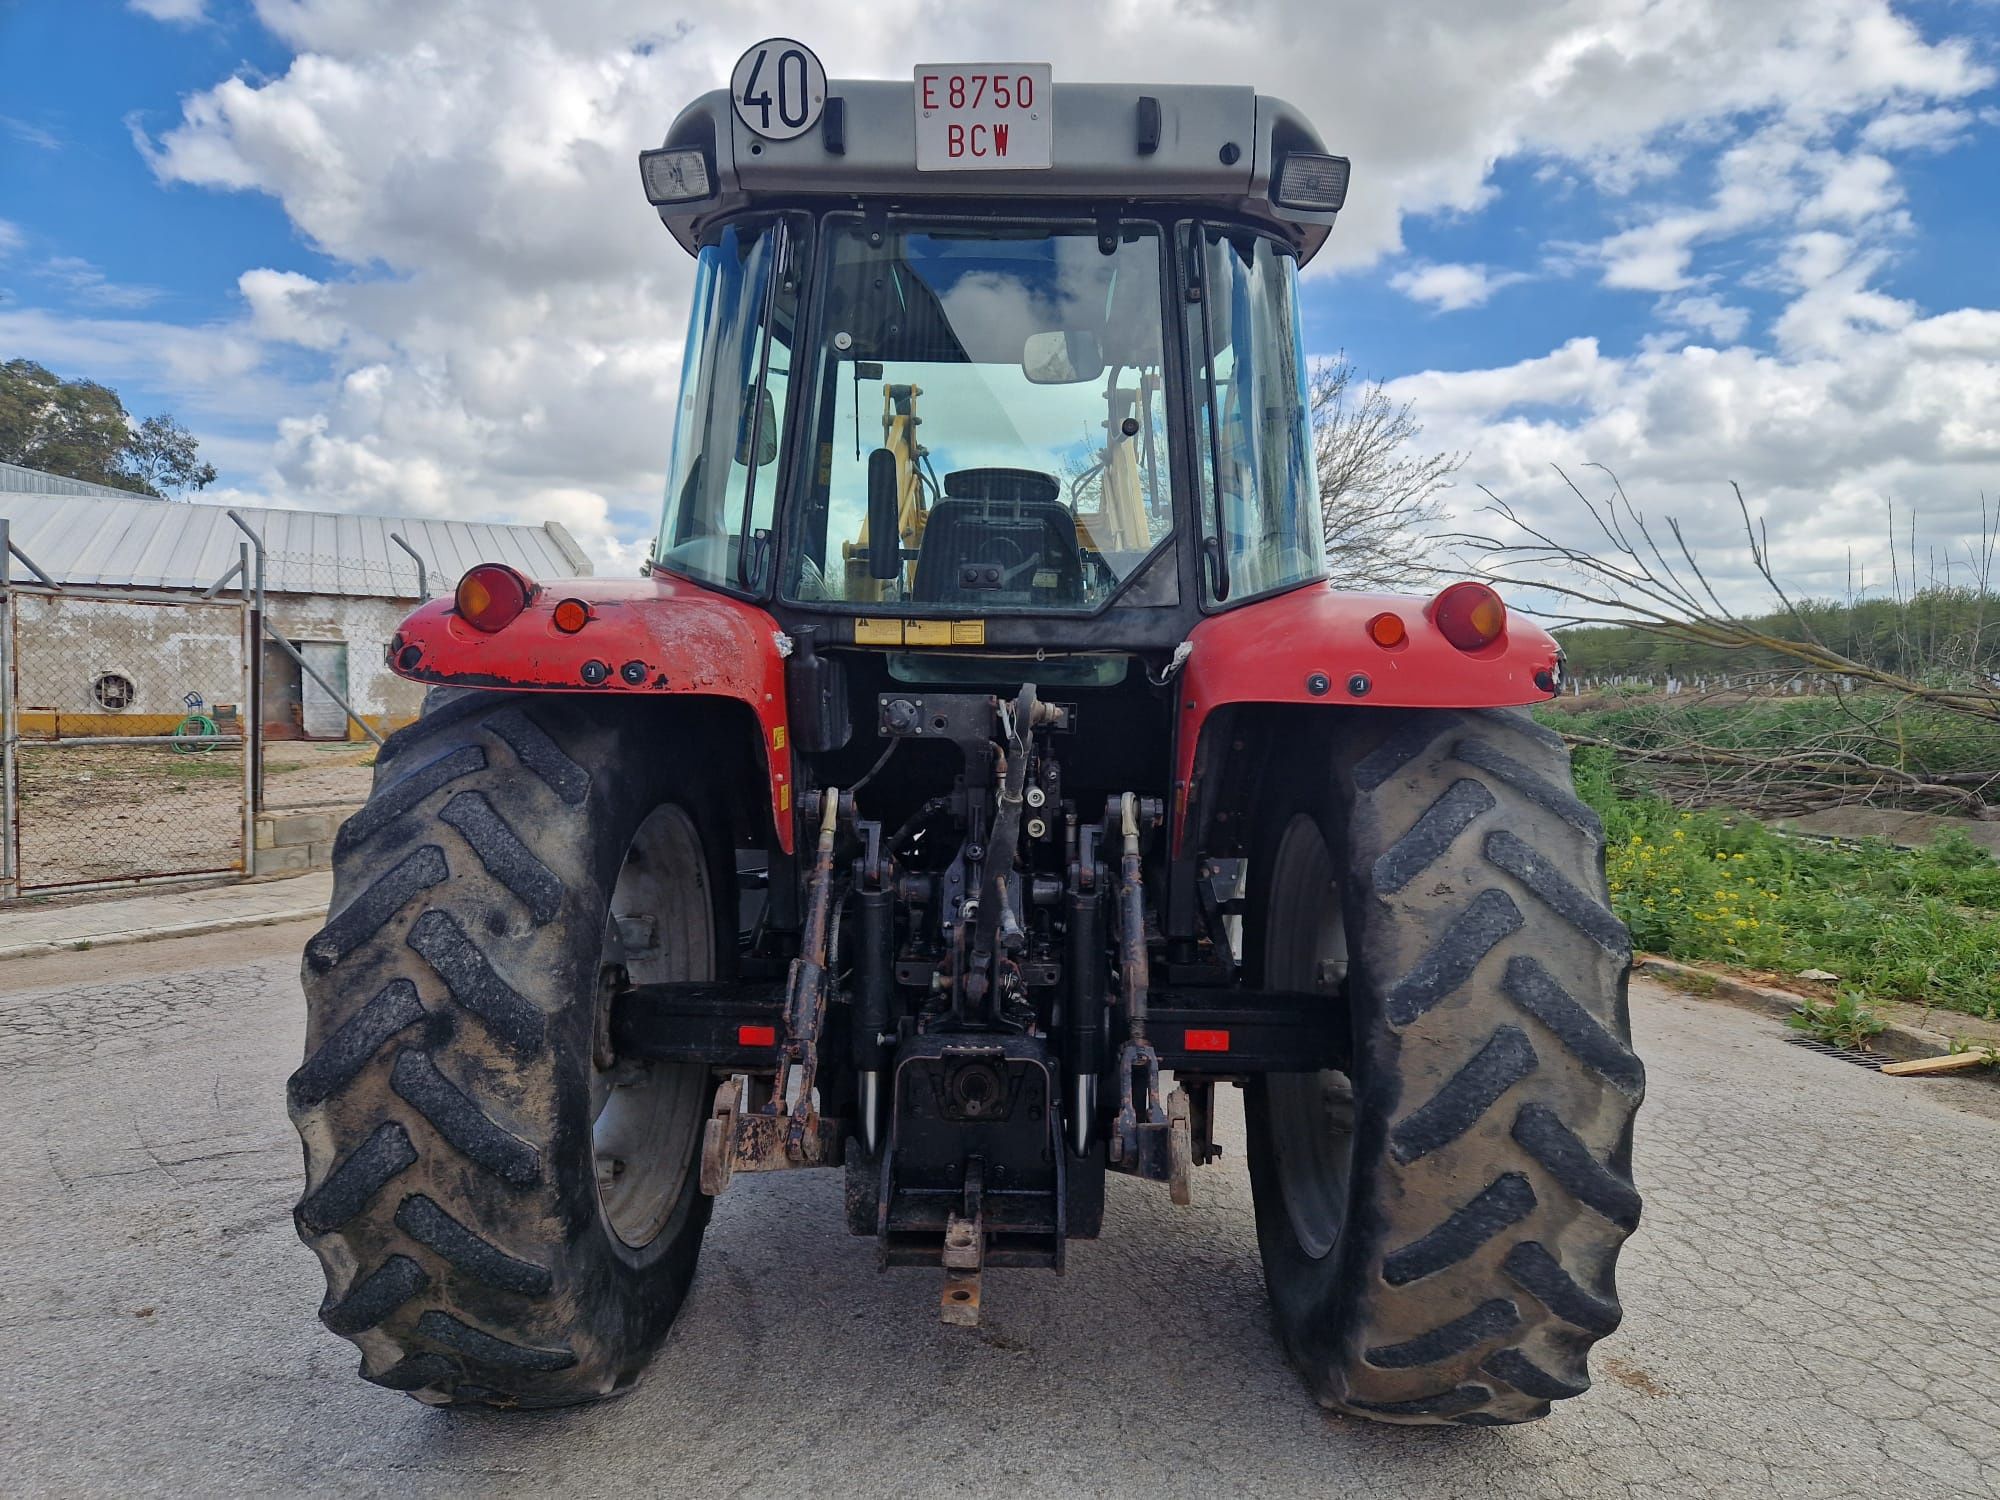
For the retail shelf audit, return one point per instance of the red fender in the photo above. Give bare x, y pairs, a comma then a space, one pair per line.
1313, 646
652, 636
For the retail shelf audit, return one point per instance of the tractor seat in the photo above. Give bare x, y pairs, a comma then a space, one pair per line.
1000, 537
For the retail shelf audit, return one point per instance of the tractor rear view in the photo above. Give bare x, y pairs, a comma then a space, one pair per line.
983, 774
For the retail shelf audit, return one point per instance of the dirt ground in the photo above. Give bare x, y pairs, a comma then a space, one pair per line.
93, 813
298, 772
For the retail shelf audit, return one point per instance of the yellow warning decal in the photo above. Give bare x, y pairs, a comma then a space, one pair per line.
785, 797
872, 631
878, 632
777, 736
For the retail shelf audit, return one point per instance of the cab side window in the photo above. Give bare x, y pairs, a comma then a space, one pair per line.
1259, 491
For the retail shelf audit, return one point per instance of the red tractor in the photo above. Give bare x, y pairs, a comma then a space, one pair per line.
984, 771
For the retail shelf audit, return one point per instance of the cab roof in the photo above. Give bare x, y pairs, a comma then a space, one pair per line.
1208, 145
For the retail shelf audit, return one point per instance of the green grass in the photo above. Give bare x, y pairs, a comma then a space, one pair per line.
1847, 1022
1921, 925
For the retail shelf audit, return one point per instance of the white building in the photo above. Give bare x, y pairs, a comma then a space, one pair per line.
336, 586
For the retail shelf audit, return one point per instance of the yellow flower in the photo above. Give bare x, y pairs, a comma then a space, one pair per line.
1673, 890
1678, 834
1735, 856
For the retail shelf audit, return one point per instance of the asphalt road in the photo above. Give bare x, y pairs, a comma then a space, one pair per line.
1810, 1302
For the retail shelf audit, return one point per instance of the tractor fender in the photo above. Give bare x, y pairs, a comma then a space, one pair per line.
1312, 646
645, 637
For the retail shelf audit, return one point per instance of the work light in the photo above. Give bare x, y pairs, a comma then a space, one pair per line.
674, 174
1316, 183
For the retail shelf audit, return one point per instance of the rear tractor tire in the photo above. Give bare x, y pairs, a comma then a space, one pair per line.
506, 1214
1439, 1229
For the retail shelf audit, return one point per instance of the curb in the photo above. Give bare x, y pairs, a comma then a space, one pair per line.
152, 934
1897, 1042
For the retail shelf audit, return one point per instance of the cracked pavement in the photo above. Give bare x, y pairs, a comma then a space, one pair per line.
1808, 1302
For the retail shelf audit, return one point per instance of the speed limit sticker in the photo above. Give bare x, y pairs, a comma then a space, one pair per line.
779, 89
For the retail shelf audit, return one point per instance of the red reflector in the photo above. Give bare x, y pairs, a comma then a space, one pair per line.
756, 1036
1206, 1041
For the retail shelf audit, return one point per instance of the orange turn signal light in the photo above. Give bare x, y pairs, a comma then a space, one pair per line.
1387, 630
571, 616
1469, 615
491, 596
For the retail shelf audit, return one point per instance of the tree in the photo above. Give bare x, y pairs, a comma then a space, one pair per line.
80, 430
76, 428
1379, 498
1901, 686
162, 457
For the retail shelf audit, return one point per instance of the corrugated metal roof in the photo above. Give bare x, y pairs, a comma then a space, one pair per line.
36, 482
95, 538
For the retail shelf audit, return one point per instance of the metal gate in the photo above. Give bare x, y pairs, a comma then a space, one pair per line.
124, 750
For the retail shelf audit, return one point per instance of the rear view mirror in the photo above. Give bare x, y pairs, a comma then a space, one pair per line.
885, 543
1062, 357
760, 416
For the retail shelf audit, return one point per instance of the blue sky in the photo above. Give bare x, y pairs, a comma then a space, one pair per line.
386, 255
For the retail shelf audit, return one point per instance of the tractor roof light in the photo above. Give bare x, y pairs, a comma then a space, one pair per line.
1315, 184
491, 596
675, 174
1469, 615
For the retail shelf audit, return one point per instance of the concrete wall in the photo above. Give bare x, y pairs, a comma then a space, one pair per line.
378, 694
65, 646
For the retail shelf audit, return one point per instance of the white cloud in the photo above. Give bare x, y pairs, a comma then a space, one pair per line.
86, 284
1706, 314
289, 308
1917, 129
10, 238
1450, 288
29, 134
1854, 190
218, 370
502, 329
180, 12
1909, 410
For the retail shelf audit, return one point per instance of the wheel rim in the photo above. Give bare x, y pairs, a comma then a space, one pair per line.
646, 1116
1311, 1114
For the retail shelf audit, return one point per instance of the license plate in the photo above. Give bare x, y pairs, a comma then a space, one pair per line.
974, 117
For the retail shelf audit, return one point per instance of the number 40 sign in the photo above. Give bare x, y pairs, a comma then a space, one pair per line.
779, 89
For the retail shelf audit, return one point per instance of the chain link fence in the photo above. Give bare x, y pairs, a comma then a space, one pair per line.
125, 756
163, 735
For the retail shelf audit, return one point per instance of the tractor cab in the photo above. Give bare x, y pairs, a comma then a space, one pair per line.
1051, 397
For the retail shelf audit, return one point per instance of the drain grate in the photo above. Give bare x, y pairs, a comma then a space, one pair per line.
1846, 1054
